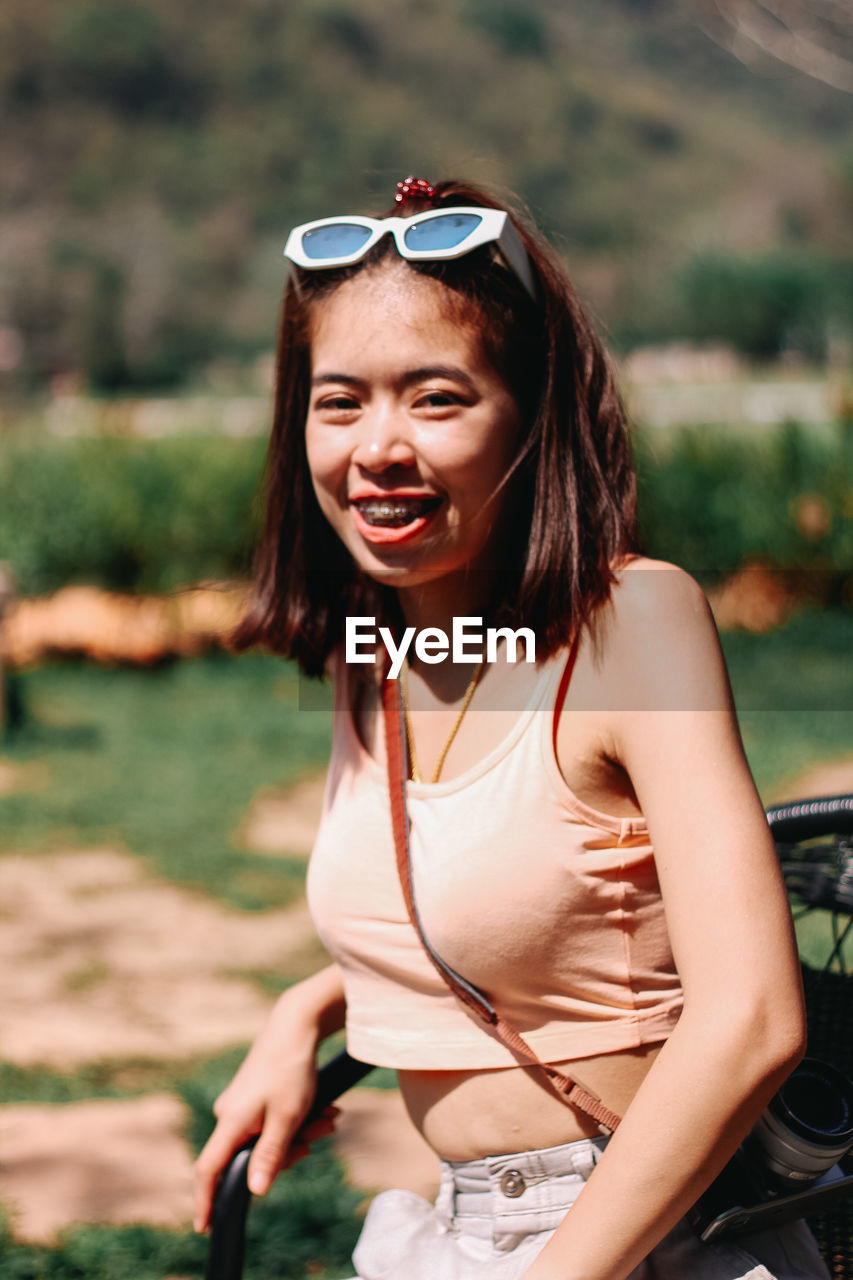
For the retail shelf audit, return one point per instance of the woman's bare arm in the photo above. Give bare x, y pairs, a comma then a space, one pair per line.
273, 1090
673, 729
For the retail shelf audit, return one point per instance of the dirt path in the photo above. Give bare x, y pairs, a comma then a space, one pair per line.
100, 959
111, 1161
285, 820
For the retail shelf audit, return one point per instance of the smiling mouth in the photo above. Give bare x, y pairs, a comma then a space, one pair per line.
395, 513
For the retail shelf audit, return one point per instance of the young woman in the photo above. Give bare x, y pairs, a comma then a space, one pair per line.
587, 843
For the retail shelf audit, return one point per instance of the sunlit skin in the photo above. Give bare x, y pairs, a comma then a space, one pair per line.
405, 403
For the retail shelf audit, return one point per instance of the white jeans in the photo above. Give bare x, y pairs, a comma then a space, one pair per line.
493, 1216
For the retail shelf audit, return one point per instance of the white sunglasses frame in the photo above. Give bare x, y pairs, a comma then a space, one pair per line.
495, 227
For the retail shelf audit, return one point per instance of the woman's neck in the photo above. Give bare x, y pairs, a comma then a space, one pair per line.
436, 604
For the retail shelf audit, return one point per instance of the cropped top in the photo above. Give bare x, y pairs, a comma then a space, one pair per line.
549, 906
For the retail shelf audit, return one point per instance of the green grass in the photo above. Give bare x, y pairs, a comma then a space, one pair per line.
118, 1078
794, 692
26, 1084
164, 763
804, 666
306, 1226
815, 941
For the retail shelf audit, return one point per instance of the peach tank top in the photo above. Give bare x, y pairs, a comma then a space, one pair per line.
550, 907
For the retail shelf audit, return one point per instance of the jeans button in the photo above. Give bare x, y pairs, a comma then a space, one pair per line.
512, 1183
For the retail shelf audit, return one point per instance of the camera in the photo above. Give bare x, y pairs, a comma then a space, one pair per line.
788, 1165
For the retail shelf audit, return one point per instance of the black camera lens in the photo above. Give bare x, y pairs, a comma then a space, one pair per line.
817, 1103
808, 1125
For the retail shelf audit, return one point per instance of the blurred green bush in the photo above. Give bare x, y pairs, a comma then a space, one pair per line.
127, 515
711, 501
767, 304
152, 515
117, 54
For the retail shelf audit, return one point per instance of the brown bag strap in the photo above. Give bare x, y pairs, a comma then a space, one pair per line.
474, 999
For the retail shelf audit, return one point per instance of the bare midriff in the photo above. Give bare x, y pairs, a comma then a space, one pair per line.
465, 1115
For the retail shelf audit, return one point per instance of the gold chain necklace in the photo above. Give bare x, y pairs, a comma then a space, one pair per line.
466, 702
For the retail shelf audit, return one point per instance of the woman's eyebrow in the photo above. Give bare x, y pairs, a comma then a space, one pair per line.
322, 378
451, 372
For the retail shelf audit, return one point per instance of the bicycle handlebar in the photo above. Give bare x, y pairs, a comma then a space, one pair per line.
802, 819
789, 823
227, 1245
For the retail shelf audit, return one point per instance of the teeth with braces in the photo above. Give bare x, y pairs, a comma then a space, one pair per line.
389, 511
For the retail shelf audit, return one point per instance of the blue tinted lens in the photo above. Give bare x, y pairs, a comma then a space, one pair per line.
336, 241
445, 231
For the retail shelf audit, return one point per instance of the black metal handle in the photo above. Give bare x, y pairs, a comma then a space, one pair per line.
802, 819
799, 820
227, 1249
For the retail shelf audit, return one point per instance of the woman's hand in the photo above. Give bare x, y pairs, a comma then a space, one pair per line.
269, 1097
272, 1093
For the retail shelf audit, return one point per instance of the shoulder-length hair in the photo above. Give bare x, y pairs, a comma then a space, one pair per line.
573, 510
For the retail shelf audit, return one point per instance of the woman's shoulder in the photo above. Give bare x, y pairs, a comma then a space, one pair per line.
656, 637
629, 566
655, 594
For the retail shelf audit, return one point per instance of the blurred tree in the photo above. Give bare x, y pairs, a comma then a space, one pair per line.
102, 337
179, 142
657, 133
350, 32
514, 28
764, 305
116, 52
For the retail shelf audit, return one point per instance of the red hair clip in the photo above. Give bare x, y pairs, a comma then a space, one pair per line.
418, 188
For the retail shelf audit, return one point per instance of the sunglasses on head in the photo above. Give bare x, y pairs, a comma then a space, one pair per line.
424, 237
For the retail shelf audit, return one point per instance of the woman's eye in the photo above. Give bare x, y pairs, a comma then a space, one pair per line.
337, 404
438, 399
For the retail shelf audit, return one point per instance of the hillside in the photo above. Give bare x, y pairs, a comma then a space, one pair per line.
154, 155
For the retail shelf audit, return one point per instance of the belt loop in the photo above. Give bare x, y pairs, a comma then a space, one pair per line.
445, 1204
587, 1156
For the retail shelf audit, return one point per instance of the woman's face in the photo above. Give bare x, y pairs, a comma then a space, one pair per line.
410, 430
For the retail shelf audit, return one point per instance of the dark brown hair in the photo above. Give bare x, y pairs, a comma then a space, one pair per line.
573, 508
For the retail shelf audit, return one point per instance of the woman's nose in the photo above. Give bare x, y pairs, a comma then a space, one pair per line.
383, 440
